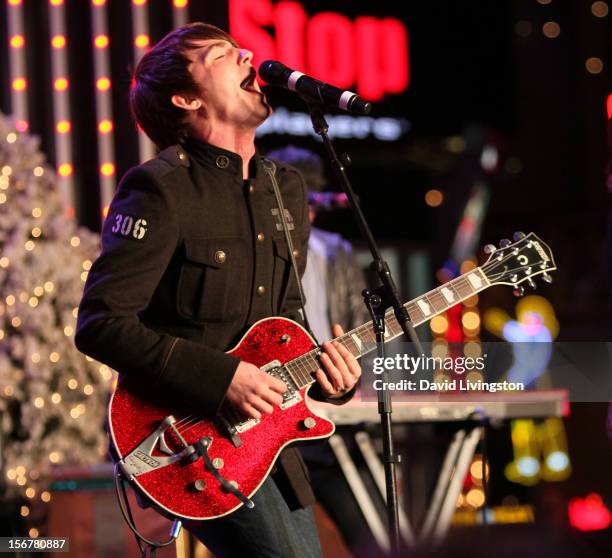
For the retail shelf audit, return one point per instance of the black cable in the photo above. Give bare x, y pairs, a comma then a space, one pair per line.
124, 506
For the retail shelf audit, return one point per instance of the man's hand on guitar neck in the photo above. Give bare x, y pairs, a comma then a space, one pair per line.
340, 371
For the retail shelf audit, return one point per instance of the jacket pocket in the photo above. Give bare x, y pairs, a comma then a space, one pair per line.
212, 283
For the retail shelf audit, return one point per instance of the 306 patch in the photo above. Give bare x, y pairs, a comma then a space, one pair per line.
128, 226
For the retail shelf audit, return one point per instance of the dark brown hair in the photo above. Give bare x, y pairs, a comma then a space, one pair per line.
163, 72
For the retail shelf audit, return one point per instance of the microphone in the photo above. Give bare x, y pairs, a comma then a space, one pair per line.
312, 89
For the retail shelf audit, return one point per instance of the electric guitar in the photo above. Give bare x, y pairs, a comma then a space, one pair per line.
202, 468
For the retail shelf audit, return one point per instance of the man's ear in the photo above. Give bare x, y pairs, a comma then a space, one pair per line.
185, 102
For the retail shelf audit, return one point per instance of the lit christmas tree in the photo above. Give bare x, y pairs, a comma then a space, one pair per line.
52, 398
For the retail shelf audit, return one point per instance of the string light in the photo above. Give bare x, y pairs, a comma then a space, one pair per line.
45, 496
56, 398
33, 532
594, 65
59, 41
105, 126
19, 84
434, 198
599, 9
103, 84
39, 402
12, 137
17, 41
65, 169
49, 286
141, 41
38, 171
75, 241
101, 41
551, 29
37, 212
107, 169
61, 84
63, 127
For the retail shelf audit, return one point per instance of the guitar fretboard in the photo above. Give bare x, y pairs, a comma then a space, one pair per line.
362, 339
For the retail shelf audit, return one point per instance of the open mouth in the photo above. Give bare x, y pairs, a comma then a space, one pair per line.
248, 84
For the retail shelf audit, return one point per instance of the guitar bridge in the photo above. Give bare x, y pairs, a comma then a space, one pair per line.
141, 460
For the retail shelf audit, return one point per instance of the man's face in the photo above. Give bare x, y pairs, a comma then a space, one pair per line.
228, 89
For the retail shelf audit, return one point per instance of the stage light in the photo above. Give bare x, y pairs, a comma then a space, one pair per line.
599, 9
180, 3
101, 41
105, 126
60, 84
439, 324
103, 84
594, 65
528, 466
139, 2
59, 41
17, 41
107, 169
141, 41
470, 320
65, 169
475, 497
63, 127
544, 1
551, 29
19, 84
589, 514
434, 198
98, 2
56, 2
14, 2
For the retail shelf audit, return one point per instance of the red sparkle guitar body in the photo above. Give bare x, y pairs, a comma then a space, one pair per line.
134, 417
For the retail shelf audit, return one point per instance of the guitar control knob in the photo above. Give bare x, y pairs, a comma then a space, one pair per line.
547, 278
519, 291
518, 235
285, 338
504, 243
199, 485
309, 423
217, 463
489, 249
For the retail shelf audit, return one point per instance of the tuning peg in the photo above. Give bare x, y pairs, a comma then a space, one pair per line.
504, 243
518, 235
518, 291
489, 249
531, 283
547, 278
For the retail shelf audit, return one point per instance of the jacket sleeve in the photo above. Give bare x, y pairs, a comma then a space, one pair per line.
139, 238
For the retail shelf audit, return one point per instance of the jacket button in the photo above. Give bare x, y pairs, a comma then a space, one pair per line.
220, 256
251, 189
261, 290
261, 237
222, 162
296, 253
181, 155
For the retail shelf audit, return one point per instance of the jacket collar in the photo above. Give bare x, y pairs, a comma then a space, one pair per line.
222, 159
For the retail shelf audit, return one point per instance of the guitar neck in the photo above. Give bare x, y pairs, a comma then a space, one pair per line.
362, 339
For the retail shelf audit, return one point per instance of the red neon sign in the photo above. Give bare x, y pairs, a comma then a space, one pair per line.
369, 52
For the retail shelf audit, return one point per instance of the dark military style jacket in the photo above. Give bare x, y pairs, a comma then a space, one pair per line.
192, 255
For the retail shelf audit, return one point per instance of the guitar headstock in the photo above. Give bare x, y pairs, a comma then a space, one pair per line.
519, 262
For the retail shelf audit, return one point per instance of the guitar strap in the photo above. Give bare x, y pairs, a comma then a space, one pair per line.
270, 168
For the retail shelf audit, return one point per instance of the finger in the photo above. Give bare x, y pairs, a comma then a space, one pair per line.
277, 385
332, 351
272, 397
351, 362
250, 411
262, 406
326, 386
332, 372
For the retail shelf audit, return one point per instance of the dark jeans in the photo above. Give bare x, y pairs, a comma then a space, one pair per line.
269, 530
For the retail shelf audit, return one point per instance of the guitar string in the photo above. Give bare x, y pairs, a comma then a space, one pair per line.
191, 421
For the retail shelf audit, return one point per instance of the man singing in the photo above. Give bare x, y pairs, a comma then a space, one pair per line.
193, 254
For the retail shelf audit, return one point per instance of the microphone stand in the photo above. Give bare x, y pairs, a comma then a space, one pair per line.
377, 301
